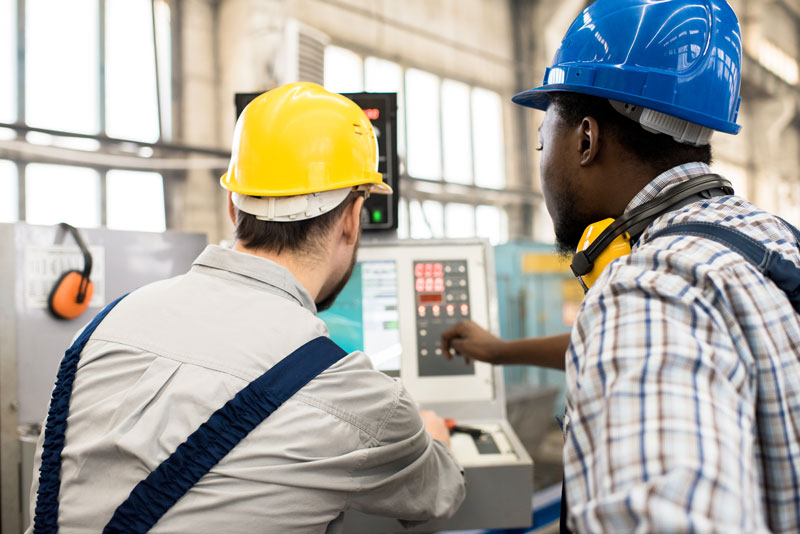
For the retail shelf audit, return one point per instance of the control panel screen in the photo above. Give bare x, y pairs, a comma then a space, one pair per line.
365, 315
441, 289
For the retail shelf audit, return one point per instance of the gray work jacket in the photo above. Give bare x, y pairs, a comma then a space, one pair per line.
173, 352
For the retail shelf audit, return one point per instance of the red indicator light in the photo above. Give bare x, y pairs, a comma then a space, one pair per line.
451, 309
464, 309
372, 113
421, 311
436, 310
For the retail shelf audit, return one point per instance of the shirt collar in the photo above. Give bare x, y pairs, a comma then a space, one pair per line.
666, 180
254, 268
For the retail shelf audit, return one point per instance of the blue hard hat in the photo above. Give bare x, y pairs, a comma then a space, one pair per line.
679, 57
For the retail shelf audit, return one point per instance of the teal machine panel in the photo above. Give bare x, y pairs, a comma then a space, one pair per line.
537, 296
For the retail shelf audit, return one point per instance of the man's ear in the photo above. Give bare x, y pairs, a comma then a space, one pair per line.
588, 135
351, 221
231, 208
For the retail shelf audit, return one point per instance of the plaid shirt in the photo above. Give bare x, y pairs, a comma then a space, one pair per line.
683, 383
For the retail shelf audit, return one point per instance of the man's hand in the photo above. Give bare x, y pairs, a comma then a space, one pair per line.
435, 426
469, 340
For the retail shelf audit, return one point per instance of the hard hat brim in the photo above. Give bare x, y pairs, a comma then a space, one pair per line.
538, 98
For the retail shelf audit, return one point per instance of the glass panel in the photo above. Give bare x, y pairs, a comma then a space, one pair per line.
62, 65
135, 201
8, 61
61, 193
402, 219
459, 220
487, 133
344, 71
131, 107
8, 192
383, 76
456, 142
422, 114
426, 219
164, 51
492, 223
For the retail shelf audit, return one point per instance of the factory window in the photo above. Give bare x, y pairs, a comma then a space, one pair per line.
456, 142
459, 220
344, 70
8, 58
135, 201
492, 223
56, 193
107, 76
8, 191
426, 219
487, 138
422, 115
61, 82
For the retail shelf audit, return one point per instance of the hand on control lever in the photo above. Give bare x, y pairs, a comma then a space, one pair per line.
472, 342
435, 426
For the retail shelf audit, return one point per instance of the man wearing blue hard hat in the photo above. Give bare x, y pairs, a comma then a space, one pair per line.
683, 376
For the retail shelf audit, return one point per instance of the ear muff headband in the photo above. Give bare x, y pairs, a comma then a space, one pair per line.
635, 222
73, 291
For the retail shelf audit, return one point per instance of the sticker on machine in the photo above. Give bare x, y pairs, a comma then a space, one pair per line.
44, 265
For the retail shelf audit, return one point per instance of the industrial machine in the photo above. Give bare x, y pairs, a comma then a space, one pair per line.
401, 297
537, 296
32, 259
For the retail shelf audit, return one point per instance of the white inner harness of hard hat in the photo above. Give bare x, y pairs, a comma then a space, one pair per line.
291, 209
656, 122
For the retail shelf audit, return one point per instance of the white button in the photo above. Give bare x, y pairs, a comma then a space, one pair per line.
448, 283
462, 283
423, 332
462, 269
438, 352
424, 352
447, 269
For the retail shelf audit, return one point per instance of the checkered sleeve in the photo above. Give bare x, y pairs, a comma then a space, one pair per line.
661, 421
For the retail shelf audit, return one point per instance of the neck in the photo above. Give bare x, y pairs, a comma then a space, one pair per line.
305, 269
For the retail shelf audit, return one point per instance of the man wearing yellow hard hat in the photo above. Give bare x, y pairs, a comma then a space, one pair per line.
227, 408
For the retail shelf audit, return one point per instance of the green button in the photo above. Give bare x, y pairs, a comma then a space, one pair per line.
377, 216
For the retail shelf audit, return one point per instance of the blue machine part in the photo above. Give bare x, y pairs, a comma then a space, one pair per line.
682, 58
537, 296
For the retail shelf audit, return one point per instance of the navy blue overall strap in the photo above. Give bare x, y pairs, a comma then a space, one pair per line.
45, 520
770, 263
215, 438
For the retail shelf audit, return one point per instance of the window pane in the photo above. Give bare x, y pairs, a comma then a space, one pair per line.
163, 36
422, 115
456, 141
487, 133
402, 219
344, 71
383, 76
459, 220
62, 65
131, 107
492, 223
61, 193
135, 201
426, 218
8, 192
8, 61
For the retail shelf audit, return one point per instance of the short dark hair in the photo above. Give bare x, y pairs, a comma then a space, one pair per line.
660, 151
299, 236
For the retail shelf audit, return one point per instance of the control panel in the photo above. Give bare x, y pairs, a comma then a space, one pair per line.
441, 289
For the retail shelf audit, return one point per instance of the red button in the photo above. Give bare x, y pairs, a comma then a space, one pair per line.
438, 269
420, 285
421, 311
451, 310
429, 284
436, 311
438, 284
419, 270
464, 309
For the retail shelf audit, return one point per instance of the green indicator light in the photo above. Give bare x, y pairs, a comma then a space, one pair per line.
377, 216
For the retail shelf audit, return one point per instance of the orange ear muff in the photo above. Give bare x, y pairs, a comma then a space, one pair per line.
71, 295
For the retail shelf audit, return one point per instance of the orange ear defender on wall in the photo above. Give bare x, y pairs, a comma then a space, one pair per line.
73, 291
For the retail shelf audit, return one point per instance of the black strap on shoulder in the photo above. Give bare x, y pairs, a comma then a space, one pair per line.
215, 438
770, 263
639, 218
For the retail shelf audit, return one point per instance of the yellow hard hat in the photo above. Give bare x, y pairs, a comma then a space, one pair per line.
300, 139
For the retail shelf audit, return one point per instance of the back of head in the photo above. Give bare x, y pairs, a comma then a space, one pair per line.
300, 157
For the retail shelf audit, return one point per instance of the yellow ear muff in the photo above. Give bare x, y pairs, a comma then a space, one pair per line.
620, 246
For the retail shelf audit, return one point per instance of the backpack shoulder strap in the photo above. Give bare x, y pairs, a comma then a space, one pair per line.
206, 446
770, 263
